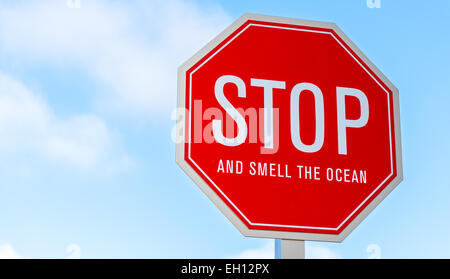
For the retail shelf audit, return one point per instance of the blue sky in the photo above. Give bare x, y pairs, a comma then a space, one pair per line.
86, 96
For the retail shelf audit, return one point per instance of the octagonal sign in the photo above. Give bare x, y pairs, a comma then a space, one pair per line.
288, 128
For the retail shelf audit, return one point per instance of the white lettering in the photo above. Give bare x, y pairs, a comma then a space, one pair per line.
231, 110
295, 121
343, 122
268, 86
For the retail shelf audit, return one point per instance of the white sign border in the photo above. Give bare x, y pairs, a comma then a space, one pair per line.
223, 207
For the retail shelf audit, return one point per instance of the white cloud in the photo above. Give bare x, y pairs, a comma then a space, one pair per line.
132, 48
27, 124
315, 251
74, 251
8, 252
265, 252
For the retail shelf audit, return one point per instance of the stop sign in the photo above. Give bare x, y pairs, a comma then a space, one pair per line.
288, 128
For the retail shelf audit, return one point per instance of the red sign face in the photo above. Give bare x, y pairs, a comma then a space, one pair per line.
288, 128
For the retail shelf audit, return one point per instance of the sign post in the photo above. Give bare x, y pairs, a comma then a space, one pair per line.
291, 249
289, 129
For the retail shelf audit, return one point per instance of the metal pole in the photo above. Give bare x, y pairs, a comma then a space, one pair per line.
289, 249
